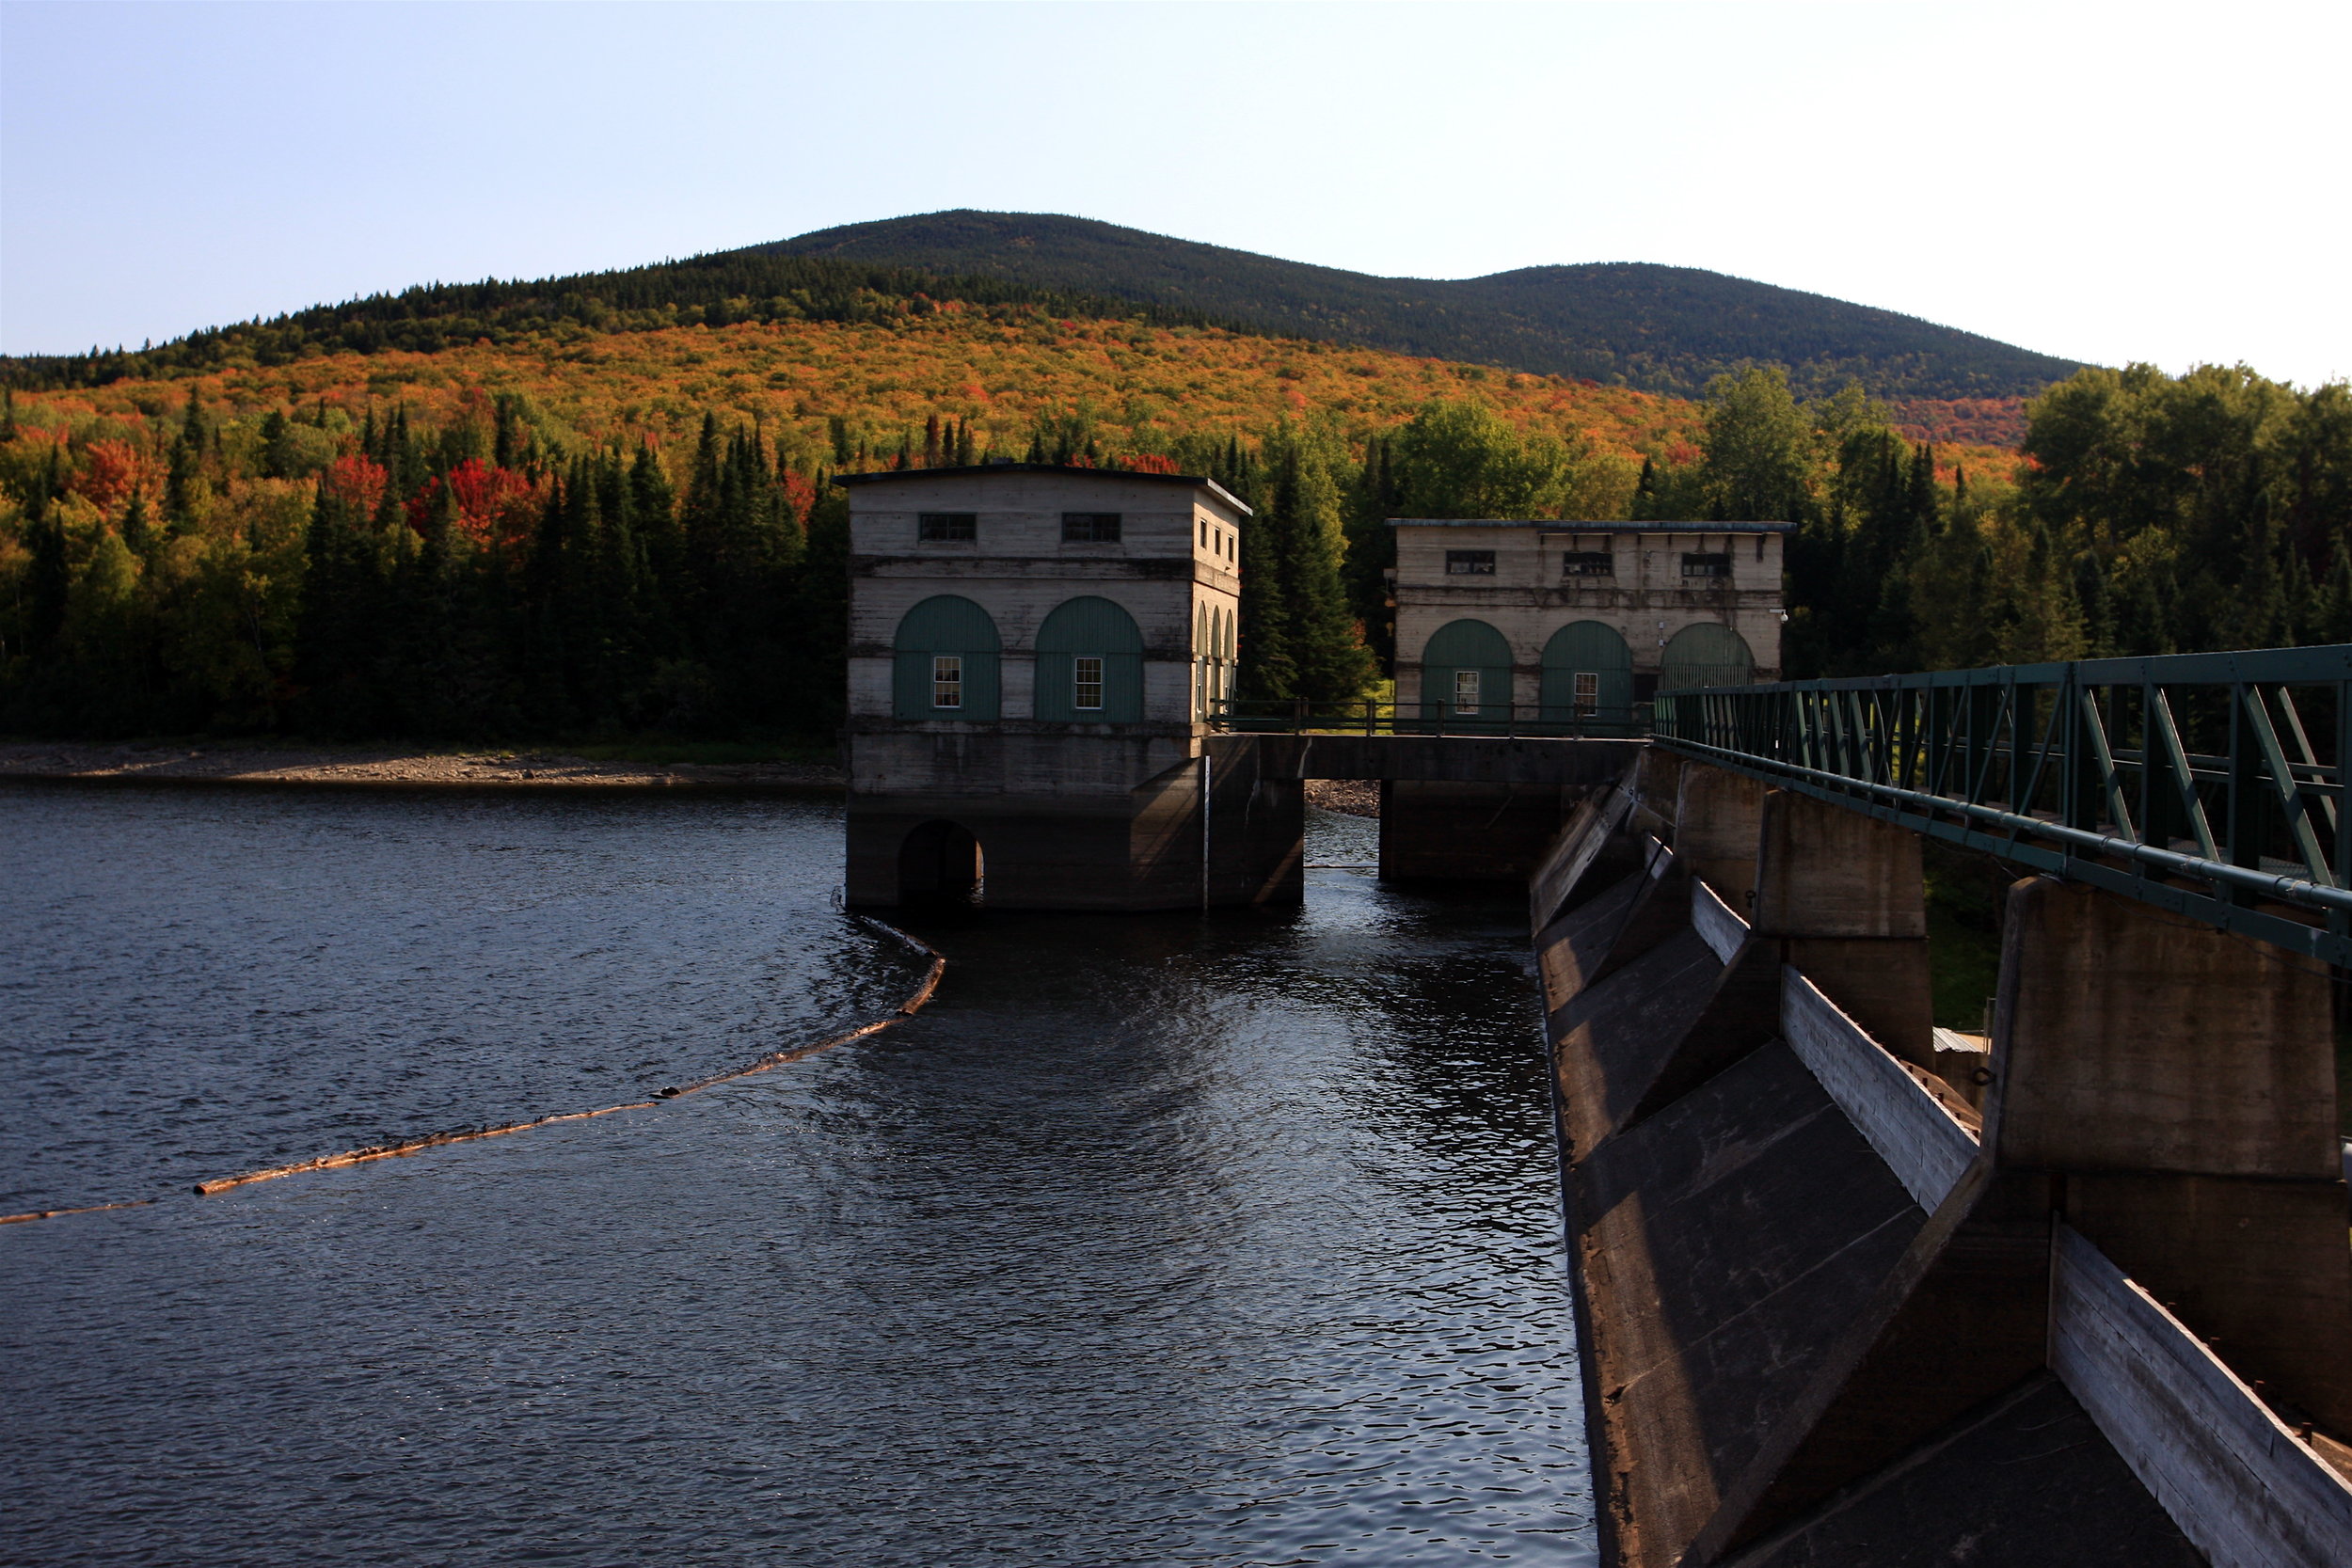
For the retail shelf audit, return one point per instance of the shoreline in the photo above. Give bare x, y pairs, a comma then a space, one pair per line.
249, 767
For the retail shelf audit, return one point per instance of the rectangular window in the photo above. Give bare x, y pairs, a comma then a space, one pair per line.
948, 527
1090, 528
1204, 533
1466, 684
1588, 691
1470, 563
946, 680
1588, 563
1695, 565
1086, 676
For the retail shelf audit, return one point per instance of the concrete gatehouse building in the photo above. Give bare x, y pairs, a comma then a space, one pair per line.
1500, 619
1033, 656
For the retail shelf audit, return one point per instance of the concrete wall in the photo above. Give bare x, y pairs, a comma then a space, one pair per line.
1820, 1318
1476, 833
1085, 845
1069, 814
1179, 554
1527, 599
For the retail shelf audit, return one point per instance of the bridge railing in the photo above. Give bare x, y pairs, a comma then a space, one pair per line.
2211, 785
1511, 720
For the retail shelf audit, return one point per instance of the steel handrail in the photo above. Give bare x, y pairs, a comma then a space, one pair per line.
2292, 889
2087, 769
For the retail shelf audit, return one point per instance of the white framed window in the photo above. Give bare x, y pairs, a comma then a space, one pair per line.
946, 680
1466, 685
1588, 691
1086, 678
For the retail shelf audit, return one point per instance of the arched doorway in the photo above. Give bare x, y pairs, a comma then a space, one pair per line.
1090, 664
1705, 653
946, 655
1588, 675
940, 864
1466, 674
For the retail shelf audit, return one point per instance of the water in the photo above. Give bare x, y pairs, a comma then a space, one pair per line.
1158, 1239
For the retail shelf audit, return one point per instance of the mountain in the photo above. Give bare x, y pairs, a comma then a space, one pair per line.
1660, 328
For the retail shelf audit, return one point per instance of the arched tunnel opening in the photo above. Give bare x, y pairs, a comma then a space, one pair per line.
941, 866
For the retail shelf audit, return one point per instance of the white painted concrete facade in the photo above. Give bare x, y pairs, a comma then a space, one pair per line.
1175, 568
1530, 578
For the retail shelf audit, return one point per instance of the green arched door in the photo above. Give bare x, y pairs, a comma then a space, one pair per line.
1466, 674
1090, 664
946, 657
1705, 653
1588, 675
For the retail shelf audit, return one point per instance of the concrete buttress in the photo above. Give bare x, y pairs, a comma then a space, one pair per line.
2177, 1084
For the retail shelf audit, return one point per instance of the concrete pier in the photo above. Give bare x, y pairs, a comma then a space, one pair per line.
1831, 1313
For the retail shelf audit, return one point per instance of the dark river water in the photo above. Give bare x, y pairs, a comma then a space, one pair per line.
1153, 1240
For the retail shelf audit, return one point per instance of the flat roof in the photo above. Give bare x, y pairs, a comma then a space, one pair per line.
1198, 482
1565, 525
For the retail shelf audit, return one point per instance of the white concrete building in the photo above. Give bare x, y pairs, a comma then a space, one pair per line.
1501, 620
1033, 651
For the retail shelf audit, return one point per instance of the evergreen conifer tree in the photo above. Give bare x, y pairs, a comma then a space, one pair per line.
138, 536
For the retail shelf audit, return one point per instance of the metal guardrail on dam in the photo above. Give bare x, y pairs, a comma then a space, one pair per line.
2209, 785
1853, 1288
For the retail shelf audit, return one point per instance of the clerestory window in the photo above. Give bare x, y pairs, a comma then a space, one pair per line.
1706, 566
1090, 528
1588, 563
1470, 563
947, 527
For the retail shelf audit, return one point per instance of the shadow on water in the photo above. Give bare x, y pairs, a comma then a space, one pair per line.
1165, 1238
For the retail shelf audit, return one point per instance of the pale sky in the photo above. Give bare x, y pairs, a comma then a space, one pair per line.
2109, 184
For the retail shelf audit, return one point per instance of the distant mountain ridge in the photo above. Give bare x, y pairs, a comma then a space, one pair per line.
1660, 328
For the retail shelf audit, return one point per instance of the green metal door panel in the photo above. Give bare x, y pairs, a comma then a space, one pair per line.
913, 690
1705, 653
1123, 688
1461, 645
1587, 648
947, 624
1472, 643
1090, 627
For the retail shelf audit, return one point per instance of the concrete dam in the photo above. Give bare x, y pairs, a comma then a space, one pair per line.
1848, 1296
1852, 1288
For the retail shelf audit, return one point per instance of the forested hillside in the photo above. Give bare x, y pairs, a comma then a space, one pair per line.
1667, 329
566, 527
573, 532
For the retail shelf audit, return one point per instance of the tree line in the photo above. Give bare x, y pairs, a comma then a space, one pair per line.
712, 290
308, 575
300, 570
2146, 514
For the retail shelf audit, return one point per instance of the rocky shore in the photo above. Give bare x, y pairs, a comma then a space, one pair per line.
403, 767
1353, 796
387, 766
